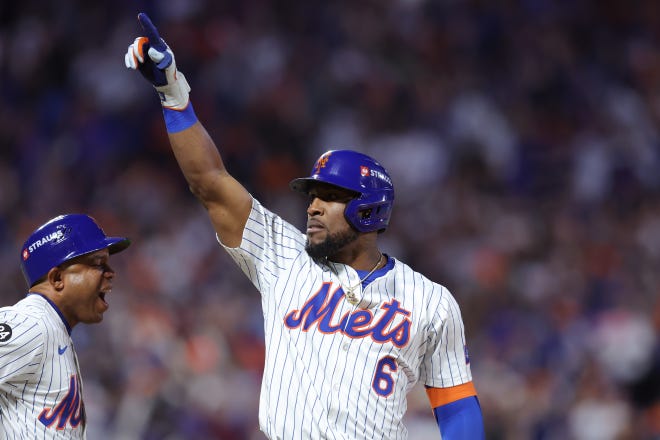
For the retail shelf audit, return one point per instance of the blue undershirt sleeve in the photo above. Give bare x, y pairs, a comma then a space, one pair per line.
461, 420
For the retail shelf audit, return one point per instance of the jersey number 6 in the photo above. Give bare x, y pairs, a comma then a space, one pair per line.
383, 383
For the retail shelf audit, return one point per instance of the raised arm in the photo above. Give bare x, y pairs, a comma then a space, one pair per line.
226, 200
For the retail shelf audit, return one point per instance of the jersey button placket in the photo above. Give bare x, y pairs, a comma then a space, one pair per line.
342, 353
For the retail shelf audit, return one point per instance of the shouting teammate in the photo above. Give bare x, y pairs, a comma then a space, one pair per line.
349, 330
65, 263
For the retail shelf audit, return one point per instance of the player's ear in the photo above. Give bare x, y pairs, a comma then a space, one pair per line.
55, 278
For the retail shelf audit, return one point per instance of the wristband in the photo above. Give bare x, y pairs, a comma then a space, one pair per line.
179, 120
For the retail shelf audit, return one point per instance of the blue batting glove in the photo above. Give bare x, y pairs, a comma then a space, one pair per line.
158, 67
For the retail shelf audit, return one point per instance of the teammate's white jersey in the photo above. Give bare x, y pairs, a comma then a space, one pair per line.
40, 385
338, 371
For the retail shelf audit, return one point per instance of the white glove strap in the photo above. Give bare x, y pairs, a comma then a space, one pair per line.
174, 95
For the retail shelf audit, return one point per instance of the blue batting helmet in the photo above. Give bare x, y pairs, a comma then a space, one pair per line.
61, 239
370, 210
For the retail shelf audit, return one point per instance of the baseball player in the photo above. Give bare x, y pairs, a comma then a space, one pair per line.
65, 263
349, 330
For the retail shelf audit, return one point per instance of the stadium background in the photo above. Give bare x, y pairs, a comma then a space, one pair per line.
522, 137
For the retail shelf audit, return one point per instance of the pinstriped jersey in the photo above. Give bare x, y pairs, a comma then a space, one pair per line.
335, 370
40, 385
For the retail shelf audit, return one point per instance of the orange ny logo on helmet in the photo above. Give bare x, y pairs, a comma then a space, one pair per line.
321, 162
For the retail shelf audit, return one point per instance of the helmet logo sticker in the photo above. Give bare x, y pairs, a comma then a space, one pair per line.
323, 160
382, 176
57, 235
364, 171
66, 231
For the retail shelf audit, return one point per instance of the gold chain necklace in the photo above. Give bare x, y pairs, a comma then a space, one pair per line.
350, 293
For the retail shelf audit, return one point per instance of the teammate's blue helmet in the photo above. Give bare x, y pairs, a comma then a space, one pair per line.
370, 210
61, 239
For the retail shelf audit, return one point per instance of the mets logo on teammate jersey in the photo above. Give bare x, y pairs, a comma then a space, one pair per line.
70, 410
393, 326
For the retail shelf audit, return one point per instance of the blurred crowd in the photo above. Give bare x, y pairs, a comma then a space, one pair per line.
522, 137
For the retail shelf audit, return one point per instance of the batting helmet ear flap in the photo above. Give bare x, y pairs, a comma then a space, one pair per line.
359, 173
370, 212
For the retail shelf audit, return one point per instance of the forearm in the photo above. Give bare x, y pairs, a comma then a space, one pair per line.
227, 201
197, 155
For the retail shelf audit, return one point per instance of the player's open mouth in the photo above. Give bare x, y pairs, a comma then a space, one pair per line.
102, 296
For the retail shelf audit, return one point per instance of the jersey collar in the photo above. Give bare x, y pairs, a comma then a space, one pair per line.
59, 312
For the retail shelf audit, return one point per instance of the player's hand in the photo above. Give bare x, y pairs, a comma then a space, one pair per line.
158, 66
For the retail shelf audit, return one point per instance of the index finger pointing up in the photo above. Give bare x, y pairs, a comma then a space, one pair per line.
151, 32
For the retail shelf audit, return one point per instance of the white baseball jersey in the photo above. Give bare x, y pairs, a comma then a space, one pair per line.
338, 371
40, 384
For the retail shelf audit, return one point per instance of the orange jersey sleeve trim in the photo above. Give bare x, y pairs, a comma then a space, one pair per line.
443, 396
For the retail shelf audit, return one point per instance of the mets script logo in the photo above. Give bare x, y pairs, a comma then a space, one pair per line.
392, 326
323, 160
70, 410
